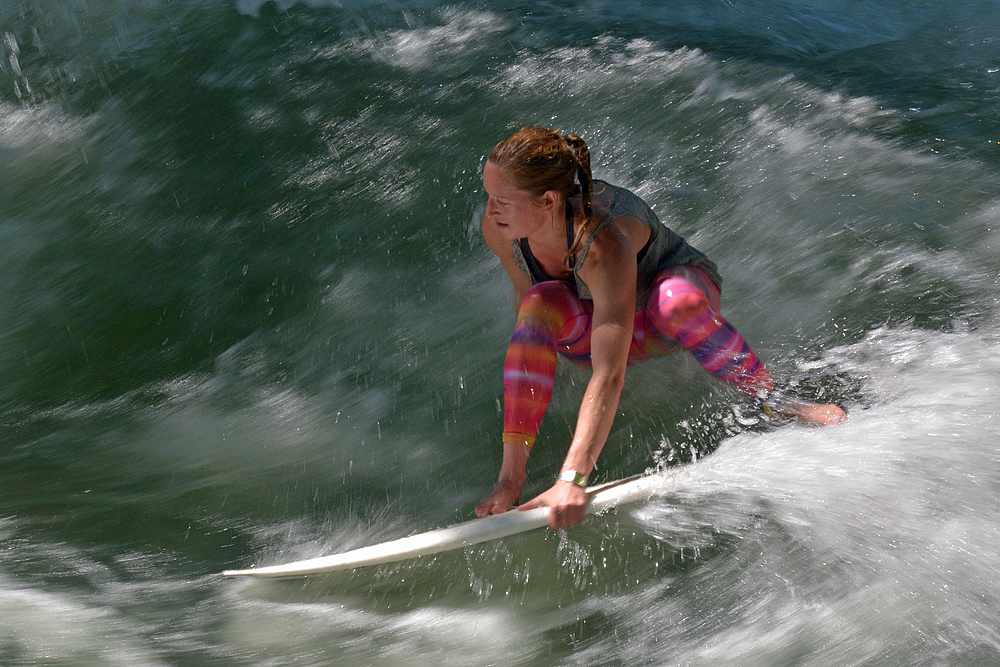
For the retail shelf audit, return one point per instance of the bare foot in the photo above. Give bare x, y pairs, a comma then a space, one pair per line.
813, 413
504, 497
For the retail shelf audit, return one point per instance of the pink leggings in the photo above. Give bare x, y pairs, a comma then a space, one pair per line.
682, 313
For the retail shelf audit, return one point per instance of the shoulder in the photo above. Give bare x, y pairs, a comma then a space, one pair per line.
617, 205
610, 271
621, 236
611, 248
627, 203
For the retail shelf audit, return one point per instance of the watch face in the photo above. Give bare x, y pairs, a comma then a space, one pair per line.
573, 477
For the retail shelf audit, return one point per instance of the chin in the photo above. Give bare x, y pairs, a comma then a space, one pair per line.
505, 231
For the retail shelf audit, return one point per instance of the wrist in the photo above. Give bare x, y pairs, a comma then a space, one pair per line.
514, 465
512, 481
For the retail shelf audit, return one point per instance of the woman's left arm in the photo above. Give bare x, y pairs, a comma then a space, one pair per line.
610, 274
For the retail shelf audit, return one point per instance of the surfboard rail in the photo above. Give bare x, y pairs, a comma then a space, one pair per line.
465, 534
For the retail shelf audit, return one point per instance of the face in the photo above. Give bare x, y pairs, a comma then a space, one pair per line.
515, 213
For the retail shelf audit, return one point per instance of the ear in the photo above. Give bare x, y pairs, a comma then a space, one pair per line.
550, 199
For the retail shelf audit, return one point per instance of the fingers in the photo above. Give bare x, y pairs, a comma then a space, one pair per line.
567, 506
490, 507
501, 499
531, 504
485, 508
557, 518
561, 518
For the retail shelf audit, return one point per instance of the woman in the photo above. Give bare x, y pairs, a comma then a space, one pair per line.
601, 280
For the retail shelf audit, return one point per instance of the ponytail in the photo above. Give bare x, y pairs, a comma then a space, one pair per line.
582, 156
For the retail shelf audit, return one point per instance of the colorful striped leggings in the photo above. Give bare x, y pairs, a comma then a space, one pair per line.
682, 313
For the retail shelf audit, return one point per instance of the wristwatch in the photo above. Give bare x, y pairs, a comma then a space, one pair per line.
573, 477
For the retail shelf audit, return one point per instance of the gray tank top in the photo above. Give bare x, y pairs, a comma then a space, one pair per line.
665, 248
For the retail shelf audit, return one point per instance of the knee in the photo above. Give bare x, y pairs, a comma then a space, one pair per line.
555, 307
544, 296
675, 300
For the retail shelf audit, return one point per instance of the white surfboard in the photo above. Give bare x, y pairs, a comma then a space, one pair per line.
468, 533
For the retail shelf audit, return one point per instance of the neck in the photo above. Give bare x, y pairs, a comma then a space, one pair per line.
551, 234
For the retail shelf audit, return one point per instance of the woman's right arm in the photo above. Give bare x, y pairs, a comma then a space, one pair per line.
515, 455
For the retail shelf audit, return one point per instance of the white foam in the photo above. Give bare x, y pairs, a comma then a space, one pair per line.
871, 535
357, 636
45, 627
462, 34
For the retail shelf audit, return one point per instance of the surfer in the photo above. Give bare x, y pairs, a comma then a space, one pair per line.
599, 279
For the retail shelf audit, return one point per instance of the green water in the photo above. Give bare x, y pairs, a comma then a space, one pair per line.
249, 318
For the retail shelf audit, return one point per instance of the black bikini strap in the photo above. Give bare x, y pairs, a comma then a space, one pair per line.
570, 235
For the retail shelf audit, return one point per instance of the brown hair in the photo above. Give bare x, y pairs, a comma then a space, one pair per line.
537, 159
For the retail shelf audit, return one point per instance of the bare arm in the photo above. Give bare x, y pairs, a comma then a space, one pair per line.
515, 456
610, 273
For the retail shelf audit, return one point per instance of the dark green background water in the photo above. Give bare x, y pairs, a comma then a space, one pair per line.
248, 318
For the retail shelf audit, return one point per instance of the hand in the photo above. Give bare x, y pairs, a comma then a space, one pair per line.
505, 496
567, 501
